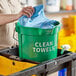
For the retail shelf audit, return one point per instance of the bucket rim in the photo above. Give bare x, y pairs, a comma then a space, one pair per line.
18, 24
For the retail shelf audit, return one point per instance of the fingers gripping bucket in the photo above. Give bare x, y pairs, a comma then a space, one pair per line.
37, 44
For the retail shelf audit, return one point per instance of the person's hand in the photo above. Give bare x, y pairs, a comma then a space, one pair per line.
27, 11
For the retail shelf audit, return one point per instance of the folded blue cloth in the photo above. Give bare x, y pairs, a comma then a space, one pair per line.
38, 20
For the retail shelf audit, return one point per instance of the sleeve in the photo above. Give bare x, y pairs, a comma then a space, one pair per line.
1, 8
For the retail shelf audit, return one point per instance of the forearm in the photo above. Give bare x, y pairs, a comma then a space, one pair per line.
7, 18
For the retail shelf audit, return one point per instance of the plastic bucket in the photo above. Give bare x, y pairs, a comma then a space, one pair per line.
37, 44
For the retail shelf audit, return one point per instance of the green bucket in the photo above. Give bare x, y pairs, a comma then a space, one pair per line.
37, 44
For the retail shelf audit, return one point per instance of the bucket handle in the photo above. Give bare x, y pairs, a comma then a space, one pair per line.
14, 35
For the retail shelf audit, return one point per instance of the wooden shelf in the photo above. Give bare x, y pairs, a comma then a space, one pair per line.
61, 12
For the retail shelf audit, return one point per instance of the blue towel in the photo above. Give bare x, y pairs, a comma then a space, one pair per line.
38, 20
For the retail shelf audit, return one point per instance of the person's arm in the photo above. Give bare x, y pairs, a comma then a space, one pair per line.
7, 18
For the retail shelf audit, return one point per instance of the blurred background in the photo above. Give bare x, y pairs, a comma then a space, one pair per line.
54, 9
61, 4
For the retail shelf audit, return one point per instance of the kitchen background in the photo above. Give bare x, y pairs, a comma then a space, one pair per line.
62, 8
62, 4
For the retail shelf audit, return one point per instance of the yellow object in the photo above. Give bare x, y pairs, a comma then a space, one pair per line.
8, 66
71, 40
72, 24
67, 34
65, 27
